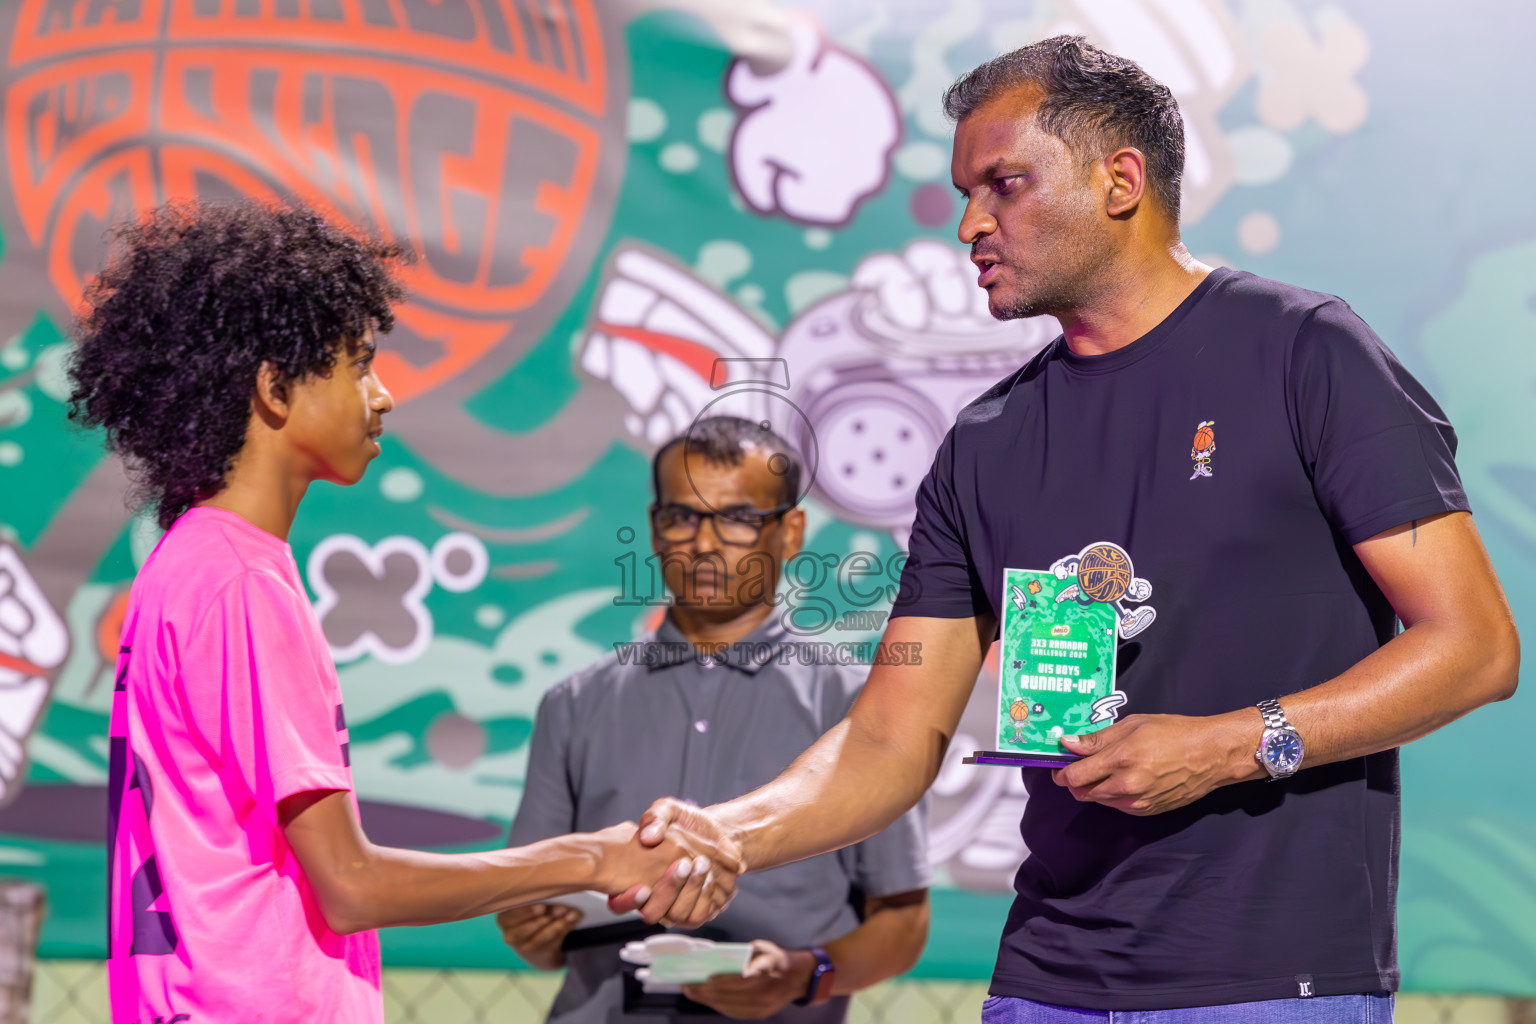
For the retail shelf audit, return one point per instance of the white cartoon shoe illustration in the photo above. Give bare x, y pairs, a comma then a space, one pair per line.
1136, 620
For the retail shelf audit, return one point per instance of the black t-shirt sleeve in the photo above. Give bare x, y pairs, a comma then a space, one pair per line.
1378, 448
939, 579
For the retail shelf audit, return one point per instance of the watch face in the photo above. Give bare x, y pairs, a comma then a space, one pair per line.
1282, 751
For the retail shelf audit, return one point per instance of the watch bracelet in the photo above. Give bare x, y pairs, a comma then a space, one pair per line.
824, 966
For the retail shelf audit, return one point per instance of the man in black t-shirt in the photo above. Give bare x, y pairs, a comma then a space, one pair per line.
1285, 493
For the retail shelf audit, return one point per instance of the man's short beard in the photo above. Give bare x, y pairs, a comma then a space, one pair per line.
1016, 311
1028, 306
1076, 271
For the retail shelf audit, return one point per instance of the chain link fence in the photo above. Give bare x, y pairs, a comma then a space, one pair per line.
75, 992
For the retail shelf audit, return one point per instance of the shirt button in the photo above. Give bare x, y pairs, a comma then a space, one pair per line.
701, 726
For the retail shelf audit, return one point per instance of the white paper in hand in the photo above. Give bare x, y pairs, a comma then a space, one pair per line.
668, 960
593, 907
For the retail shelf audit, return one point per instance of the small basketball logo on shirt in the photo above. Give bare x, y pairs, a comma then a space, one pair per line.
1203, 448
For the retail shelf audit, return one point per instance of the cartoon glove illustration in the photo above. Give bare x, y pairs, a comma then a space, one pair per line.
816, 136
33, 642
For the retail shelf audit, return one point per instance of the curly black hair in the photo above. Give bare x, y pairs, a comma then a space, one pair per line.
194, 299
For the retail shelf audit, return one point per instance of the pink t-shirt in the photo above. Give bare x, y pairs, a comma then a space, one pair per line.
226, 703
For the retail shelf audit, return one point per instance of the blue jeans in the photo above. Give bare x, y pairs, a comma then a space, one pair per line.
1375, 1008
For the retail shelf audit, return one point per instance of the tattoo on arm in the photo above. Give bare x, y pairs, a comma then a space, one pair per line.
1415, 534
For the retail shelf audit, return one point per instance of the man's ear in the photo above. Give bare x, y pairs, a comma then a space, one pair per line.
272, 393
792, 523
1127, 171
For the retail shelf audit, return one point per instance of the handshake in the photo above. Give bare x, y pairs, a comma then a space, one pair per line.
676, 867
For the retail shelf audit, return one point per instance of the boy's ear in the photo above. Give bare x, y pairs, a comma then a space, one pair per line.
272, 390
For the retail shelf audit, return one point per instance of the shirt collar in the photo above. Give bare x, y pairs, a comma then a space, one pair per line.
747, 655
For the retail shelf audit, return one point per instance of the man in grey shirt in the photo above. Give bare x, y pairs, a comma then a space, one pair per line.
715, 703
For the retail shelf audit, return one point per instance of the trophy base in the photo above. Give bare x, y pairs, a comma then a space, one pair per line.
1020, 759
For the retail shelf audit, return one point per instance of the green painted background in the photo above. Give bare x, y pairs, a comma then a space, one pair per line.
1416, 214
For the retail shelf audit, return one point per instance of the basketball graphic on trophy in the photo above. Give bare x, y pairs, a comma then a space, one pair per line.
1105, 575
1019, 712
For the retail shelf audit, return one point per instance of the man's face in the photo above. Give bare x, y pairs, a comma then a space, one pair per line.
1034, 210
720, 578
335, 419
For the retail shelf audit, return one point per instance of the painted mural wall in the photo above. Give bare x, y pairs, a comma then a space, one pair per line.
630, 213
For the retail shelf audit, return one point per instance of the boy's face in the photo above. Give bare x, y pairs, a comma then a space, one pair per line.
334, 420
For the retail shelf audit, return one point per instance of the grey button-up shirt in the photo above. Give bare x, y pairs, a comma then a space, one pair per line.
661, 721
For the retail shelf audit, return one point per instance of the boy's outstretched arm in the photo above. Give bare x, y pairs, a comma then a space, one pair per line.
362, 886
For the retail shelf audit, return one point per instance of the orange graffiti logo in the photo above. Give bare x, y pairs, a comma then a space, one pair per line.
471, 129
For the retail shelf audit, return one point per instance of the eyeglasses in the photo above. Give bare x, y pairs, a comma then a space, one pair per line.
739, 526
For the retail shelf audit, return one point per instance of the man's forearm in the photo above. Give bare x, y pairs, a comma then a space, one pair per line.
876, 763
864, 771
1460, 650
888, 943
849, 785
1426, 677
1423, 678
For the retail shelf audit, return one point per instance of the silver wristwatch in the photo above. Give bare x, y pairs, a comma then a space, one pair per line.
1280, 747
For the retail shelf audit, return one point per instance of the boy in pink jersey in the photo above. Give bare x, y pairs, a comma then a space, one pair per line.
228, 352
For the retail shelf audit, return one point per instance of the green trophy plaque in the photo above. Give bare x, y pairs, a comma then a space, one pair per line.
1056, 670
